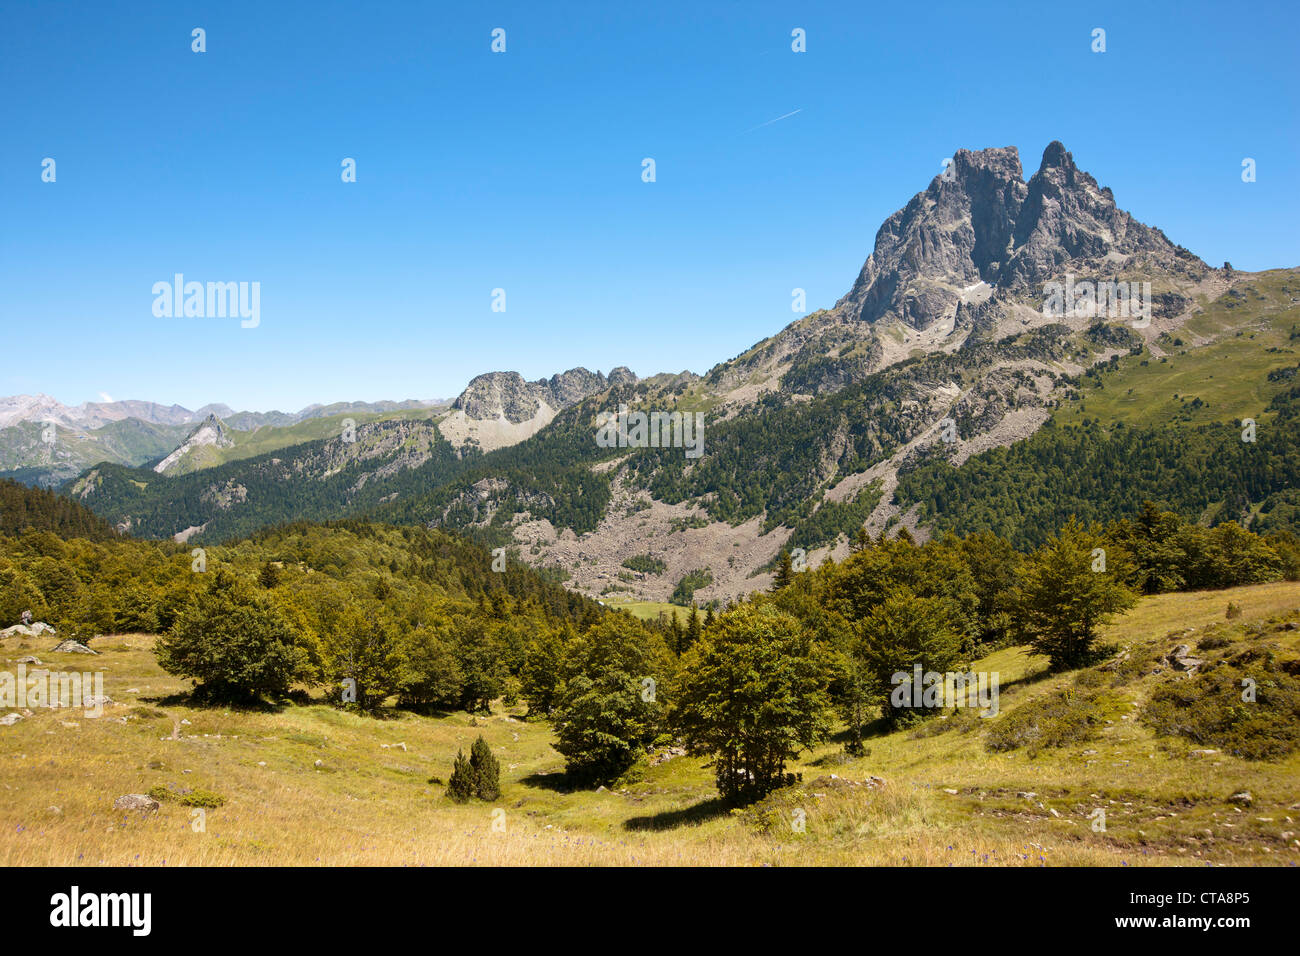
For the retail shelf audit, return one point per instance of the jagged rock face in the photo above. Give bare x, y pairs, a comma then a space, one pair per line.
499, 394
986, 224
211, 432
506, 394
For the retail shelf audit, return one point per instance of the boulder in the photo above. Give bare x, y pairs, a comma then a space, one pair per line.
28, 630
70, 646
8, 720
1179, 658
665, 755
135, 801
29, 659
1243, 798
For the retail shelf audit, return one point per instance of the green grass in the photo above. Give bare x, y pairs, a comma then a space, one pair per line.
1228, 375
649, 610
249, 444
946, 799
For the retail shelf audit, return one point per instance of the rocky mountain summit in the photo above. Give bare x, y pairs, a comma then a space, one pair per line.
980, 222
211, 433
941, 351
505, 395
969, 259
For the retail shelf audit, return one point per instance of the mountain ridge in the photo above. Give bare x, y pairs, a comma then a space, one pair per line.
942, 350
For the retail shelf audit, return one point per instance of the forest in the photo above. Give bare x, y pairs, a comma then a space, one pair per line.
371, 617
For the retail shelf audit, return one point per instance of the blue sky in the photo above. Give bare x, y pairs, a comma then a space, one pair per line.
522, 171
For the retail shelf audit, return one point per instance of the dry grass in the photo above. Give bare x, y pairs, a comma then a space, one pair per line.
371, 805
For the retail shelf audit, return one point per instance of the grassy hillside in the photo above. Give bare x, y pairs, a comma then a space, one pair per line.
946, 799
130, 442
270, 438
1215, 369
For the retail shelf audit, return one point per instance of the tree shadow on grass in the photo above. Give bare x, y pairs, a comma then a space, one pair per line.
555, 782
672, 819
1027, 680
200, 702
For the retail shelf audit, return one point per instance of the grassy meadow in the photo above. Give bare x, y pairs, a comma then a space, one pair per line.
312, 785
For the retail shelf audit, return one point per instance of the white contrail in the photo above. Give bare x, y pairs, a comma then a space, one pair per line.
771, 121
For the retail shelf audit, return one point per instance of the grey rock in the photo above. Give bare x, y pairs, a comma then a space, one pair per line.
28, 630
70, 646
1243, 798
135, 801
506, 394
985, 223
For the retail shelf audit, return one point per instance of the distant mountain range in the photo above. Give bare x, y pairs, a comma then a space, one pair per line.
88, 416
918, 400
136, 433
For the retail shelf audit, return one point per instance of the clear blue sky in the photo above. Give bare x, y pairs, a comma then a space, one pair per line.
523, 171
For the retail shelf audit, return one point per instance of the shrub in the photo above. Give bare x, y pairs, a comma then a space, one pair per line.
684, 593
188, 798
461, 785
485, 771
1064, 717
1209, 710
646, 564
1063, 601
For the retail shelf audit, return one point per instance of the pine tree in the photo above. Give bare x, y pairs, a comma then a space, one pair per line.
461, 785
485, 771
692, 629
784, 573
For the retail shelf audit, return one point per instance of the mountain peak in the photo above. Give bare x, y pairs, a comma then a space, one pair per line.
1002, 162
505, 395
1056, 156
981, 225
212, 432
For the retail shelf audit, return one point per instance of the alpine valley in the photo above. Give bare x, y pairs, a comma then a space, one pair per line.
938, 394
